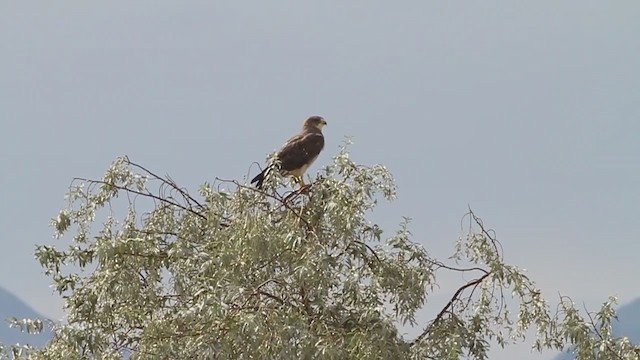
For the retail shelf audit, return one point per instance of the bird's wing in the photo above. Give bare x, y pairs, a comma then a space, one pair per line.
300, 150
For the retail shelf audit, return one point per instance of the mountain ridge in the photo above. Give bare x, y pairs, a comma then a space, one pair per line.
13, 306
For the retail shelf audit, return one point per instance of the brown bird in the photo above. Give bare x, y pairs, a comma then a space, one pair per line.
299, 152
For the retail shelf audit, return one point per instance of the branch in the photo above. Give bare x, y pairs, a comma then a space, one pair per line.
598, 334
146, 194
368, 247
490, 234
455, 297
167, 181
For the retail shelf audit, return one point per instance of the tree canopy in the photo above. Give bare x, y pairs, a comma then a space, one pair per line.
150, 270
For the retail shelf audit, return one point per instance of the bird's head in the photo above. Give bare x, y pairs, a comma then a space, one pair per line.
315, 121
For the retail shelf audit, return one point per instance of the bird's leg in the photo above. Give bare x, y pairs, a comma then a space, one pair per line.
304, 188
298, 180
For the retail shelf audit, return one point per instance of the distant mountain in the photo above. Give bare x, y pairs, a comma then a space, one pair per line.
628, 324
12, 306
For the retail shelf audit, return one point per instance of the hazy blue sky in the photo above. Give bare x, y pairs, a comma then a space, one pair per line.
527, 112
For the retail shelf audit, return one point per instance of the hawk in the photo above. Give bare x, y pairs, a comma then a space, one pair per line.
299, 152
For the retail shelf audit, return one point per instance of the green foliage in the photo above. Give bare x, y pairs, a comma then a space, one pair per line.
152, 272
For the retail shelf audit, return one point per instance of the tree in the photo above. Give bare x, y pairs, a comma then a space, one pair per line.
238, 273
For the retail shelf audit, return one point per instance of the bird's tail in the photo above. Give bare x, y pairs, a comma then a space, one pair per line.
259, 179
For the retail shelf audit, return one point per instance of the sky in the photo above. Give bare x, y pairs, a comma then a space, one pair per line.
527, 112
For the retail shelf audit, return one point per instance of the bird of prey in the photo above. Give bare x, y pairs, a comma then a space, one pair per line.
299, 152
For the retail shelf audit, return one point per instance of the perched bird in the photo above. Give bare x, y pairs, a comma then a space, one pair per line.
299, 152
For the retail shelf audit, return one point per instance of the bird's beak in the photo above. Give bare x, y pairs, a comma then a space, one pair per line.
324, 122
